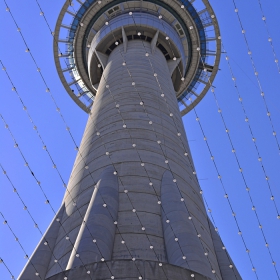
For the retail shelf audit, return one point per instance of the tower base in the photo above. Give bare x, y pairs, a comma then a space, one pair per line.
128, 270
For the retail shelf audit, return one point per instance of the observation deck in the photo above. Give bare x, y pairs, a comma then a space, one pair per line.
186, 32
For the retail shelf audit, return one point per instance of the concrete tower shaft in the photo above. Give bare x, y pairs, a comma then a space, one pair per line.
133, 207
128, 160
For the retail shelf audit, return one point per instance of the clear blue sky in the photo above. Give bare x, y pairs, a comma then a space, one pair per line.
40, 106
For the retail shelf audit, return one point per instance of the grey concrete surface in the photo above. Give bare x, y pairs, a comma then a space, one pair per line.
97, 223
38, 262
129, 270
229, 272
179, 226
107, 147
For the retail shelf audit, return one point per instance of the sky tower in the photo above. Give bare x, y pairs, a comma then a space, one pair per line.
133, 207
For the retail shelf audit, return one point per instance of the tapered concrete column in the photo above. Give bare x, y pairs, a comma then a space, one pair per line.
187, 250
38, 262
133, 131
95, 239
227, 268
134, 168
